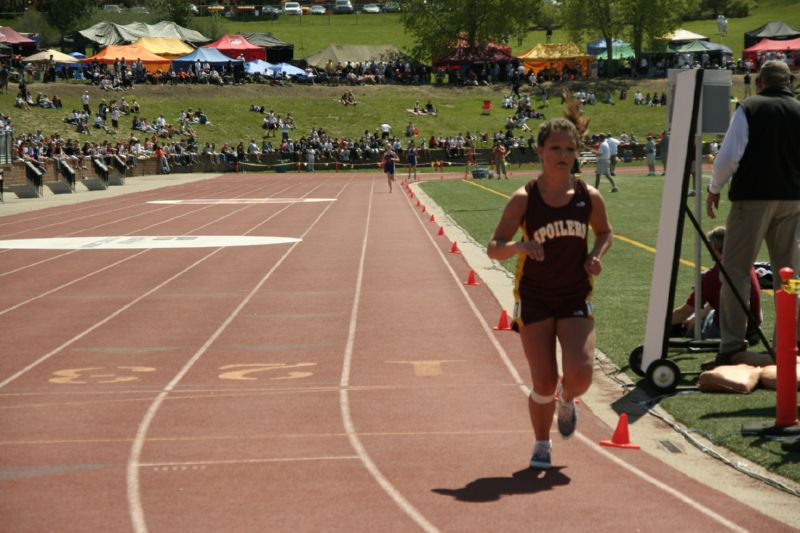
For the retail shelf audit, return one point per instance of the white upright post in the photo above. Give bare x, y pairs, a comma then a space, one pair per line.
662, 292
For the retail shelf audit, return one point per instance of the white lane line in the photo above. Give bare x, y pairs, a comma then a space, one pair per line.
58, 256
240, 201
142, 242
526, 391
135, 507
127, 306
72, 282
344, 399
99, 214
251, 461
660, 484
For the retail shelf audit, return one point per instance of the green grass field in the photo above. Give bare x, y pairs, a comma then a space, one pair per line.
621, 297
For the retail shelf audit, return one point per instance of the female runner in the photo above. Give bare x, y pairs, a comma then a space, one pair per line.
553, 285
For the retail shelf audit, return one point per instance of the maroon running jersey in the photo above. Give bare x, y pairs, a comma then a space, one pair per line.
562, 232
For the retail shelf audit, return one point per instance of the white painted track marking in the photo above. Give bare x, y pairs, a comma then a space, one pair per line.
135, 508
130, 304
344, 400
241, 201
139, 242
117, 221
526, 391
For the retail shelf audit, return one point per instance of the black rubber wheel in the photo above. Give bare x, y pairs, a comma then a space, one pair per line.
663, 375
635, 361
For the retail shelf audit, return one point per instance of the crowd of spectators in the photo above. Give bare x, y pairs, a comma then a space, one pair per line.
176, 141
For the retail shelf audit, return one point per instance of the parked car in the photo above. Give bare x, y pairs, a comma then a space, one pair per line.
292, 8
270, 12
391, 7
343, 7
112, 8
371, 8
317, 9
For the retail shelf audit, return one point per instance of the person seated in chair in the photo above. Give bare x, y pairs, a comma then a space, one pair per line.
683, 317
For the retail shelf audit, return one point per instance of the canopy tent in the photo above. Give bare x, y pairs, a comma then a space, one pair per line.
287, 70
168, 47
277, 51
18, 42
258, 67
212, 56
236, 45
108, 33
487, 53
619, 49
699, 47
684, 36
77, 55
46, 55
777, 31
556, 56
344, 53
130, 53
769, 45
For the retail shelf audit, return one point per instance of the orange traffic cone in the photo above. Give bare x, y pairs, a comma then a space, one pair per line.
433, 218
454, 249
441, 230
423, 209
418, 203
502, 324
471, 279
621, 438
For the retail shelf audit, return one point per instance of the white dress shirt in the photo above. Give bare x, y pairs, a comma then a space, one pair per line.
731, 151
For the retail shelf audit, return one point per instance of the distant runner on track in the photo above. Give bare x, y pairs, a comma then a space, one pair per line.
553, 285
389, 160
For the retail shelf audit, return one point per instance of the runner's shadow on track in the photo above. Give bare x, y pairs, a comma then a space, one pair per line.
490, 489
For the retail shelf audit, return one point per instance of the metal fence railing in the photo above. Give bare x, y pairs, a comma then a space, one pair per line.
6, 147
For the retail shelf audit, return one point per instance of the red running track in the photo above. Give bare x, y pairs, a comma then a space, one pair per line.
348, 381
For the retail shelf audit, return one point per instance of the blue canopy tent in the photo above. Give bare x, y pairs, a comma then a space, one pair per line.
212, 56
259, 66
75, 70
287, 70
619, 49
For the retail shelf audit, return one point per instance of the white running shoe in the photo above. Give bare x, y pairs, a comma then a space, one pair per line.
567, 414
541, 454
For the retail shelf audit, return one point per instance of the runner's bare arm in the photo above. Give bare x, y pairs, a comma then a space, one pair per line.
502, 246
601, 228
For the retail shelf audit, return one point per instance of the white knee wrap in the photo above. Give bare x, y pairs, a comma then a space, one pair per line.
540, 399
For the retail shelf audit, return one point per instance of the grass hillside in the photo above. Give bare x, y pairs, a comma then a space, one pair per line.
318, 106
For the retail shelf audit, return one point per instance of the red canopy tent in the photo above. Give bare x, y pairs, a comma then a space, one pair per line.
235, 45
771, 45
465, 54
11, 37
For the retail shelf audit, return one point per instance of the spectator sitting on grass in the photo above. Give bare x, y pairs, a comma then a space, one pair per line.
348, 98
99, 123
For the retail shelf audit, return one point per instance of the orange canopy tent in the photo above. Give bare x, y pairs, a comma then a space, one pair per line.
556, 56
129, 54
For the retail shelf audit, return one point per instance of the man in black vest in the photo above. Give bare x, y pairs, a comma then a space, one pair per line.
761, 152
